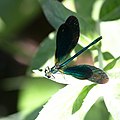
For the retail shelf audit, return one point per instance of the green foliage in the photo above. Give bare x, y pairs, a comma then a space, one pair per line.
110, 10
36, 91
15, 14
107, 56
100, 111
84, 8
56, 14
45, 51
111, 64
80, 99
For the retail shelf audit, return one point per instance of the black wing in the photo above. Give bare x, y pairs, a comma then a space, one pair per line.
67, 38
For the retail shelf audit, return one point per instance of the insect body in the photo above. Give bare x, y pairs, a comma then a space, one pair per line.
67, 38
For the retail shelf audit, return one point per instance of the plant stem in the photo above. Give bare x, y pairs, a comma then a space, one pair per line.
100, 58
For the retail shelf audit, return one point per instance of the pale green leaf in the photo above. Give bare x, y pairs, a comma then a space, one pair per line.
111, 64
80, 99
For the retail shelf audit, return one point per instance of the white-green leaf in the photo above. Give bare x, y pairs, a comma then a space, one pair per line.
112, 98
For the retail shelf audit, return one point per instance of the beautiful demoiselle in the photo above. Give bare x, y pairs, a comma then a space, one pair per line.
67, 38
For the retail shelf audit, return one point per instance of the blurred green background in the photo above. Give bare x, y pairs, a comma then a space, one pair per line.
23, 26
26, 43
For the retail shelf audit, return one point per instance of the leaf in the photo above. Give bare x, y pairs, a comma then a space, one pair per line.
108, 56
80, 99
15, 116
32, 115
33, 93
60, 104
110, 10
15, 14
56, 14
36, 92
111, 64
112, 98
98, 111
85, 7
44, 52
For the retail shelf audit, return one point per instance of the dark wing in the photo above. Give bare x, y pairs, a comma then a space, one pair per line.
67, 38
87, 72
80, 71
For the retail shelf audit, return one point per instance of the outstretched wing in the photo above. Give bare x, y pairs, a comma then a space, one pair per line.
87, 72
80, 71
67, 38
